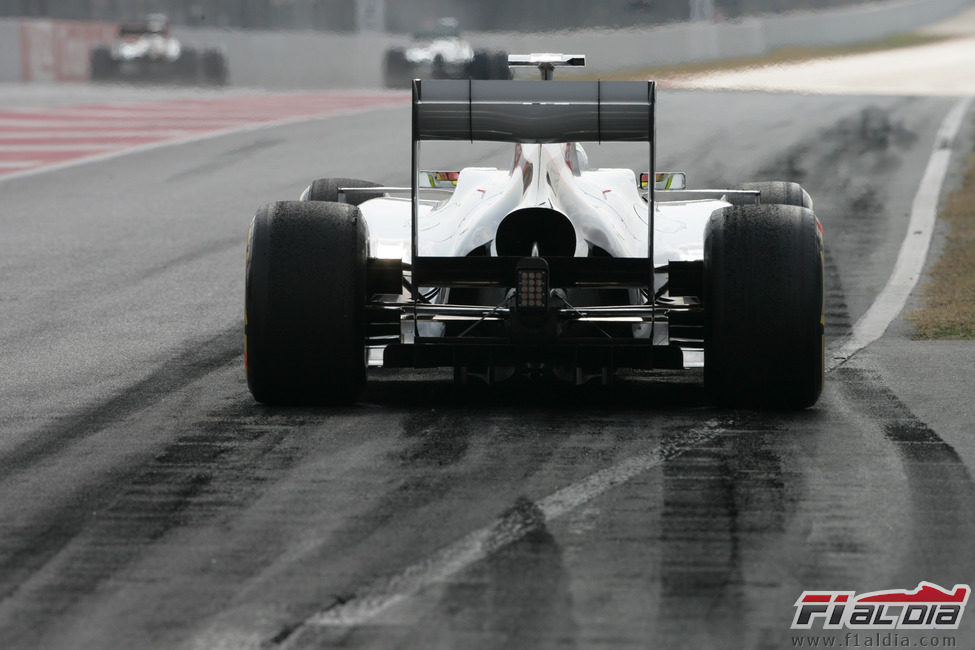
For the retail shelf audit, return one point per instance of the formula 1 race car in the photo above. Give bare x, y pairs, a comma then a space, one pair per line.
440, 53
544, 267
146, 52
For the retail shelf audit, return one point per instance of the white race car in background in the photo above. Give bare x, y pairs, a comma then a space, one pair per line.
542, 267
440, 53
145, 51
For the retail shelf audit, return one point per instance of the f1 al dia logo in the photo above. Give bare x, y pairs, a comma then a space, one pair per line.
929, 607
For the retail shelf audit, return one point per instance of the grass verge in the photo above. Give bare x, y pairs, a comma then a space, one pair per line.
949, 293
780, 56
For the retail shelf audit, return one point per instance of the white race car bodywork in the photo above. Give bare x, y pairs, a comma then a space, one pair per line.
605, 206
155, 47
452, 51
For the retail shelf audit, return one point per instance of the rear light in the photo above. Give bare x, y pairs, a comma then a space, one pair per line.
532, 284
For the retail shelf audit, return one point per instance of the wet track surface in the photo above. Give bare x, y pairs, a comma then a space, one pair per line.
147, 501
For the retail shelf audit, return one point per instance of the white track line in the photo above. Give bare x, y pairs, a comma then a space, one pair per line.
914, 249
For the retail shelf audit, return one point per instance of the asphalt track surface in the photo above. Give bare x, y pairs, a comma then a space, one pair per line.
146, 501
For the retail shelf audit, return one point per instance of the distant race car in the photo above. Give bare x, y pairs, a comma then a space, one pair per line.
146, 52
440, 53
545, 267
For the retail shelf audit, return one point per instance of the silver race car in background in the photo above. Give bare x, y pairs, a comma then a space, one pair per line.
545, 266
145, 51
440, 53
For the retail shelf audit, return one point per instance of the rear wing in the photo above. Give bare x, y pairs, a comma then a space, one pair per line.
520, 111
532, 112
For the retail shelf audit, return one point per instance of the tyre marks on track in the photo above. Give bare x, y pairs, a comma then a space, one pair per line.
197, 361
213, 468
722, 485
838, 321
523, 518
941, 487
751, 513
38, 139
27, 550
792, 500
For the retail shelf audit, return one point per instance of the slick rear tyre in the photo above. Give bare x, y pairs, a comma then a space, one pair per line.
102, 65
480, 66
763, 304
774, 193
305, 296
499, 66
214, 67
327, 189
187, 66
396, 69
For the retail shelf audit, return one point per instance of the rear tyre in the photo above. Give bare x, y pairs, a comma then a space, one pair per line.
102, 65
489, 65
499, 66
187, 66
305, 293
327, 189
214, 67
775, 192
396, 69
480, 66
763, 303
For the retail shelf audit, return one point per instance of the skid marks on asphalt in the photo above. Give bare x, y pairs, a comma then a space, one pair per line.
82, 562
727, 532
182, 370
941, 489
